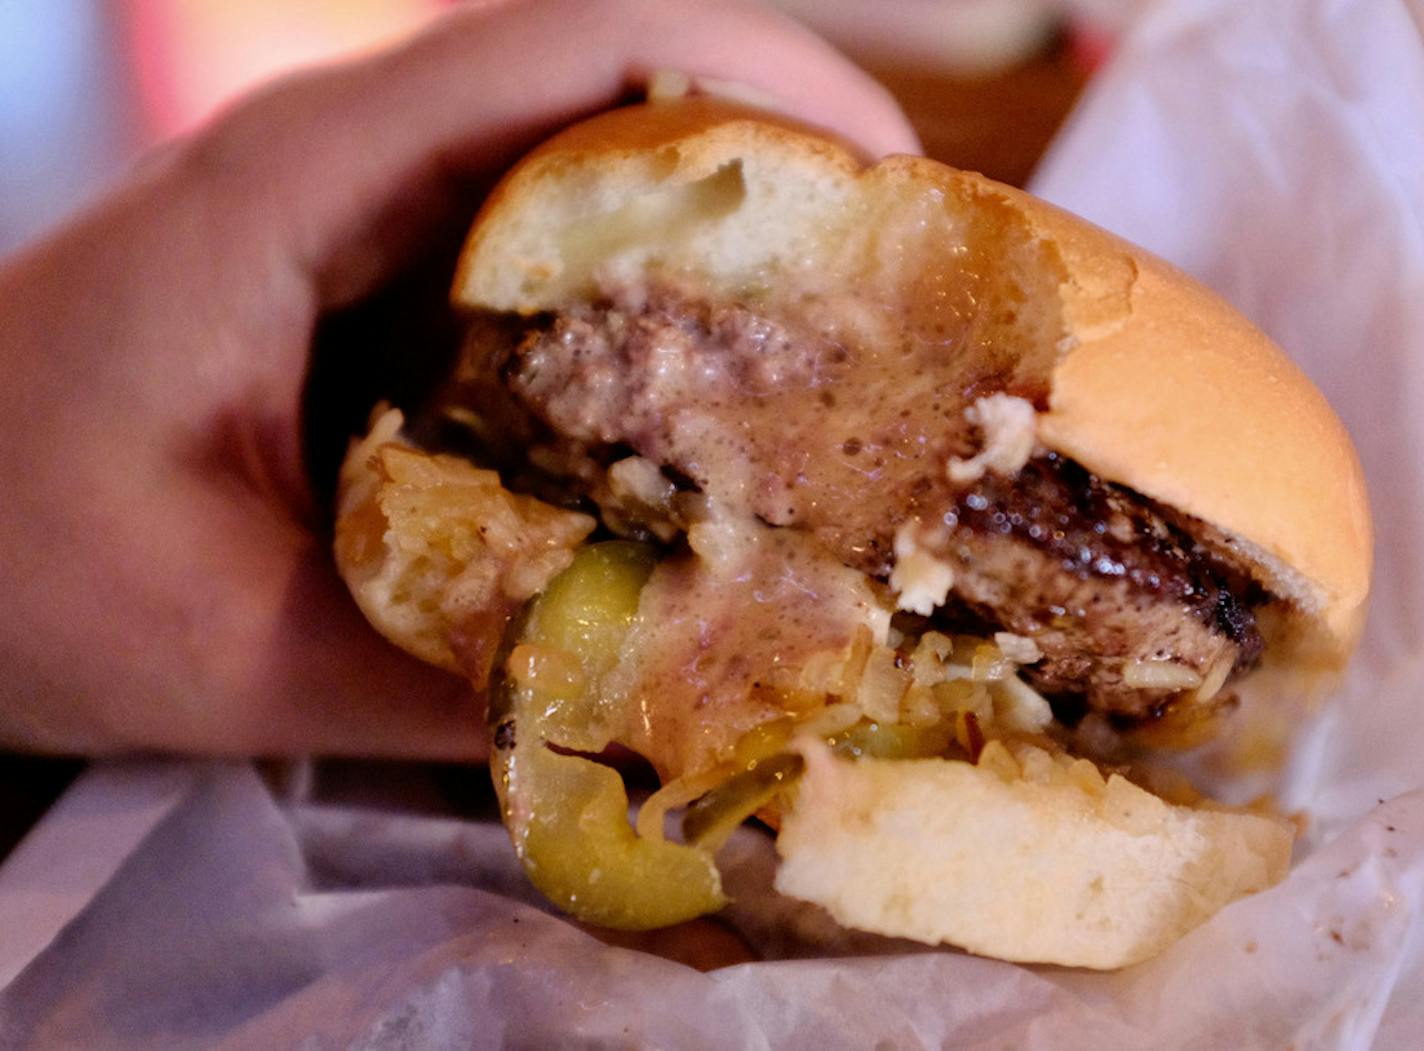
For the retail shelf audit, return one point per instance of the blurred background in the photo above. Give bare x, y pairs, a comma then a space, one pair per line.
87, 86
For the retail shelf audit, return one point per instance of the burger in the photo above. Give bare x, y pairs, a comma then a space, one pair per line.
923, 522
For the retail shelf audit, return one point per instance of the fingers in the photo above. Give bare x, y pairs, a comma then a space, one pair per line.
319, 680
381, 139
294, 668
216, 628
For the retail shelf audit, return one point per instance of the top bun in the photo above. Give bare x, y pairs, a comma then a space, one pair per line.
1151, 380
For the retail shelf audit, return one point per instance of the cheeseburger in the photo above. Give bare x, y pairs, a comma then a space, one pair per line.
881, 502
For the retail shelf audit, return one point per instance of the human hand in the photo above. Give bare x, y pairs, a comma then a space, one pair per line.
165, 588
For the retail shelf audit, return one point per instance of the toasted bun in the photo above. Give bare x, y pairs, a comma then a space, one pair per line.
1154, 382
432, 546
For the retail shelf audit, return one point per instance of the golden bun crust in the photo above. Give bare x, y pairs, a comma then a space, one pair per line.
1173, 393
1156, 383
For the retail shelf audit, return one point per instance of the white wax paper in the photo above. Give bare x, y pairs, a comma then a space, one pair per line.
1273, 148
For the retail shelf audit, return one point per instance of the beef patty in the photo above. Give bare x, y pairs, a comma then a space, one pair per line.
818, 432
1108, 587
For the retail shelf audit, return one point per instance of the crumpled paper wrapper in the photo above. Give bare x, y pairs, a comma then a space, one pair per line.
1275, 150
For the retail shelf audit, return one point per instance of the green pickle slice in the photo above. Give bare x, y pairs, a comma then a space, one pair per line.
892, 741
567, 815
710, 821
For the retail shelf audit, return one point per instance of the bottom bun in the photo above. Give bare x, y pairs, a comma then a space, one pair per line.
1024, 856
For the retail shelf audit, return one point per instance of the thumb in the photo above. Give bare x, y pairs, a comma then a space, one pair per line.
280, 660
322, 681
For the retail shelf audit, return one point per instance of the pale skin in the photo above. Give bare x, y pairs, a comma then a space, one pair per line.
164, 587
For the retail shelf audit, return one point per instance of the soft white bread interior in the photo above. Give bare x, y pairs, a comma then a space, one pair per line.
1024, 856
1154, 382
